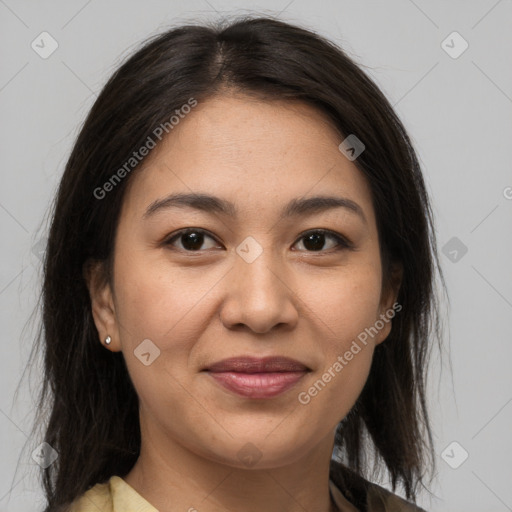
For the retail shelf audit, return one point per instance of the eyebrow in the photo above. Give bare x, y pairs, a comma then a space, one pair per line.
212, 204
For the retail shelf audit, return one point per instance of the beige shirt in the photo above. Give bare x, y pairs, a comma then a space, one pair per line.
116, 495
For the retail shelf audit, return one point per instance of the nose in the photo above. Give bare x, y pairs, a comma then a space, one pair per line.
259, 296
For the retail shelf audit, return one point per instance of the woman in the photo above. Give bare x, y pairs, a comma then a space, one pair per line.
239, 285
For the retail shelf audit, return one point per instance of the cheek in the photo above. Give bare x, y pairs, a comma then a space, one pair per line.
170, 311
346, 302
344, 382
152, 300
172, 307
345, 309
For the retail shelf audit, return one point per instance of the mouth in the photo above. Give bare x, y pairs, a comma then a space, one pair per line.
257, 378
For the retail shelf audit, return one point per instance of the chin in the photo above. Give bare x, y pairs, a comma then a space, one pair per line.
258, 452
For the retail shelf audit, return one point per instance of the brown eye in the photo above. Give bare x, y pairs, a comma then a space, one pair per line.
192, 239
314, 241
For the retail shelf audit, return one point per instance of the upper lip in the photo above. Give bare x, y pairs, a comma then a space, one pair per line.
258, 365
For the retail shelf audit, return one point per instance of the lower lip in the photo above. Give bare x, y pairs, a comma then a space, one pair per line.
257, 385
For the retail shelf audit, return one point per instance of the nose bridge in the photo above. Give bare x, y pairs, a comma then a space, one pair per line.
256, 267
257, 294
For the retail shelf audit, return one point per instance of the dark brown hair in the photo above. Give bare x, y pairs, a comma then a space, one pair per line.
92, 406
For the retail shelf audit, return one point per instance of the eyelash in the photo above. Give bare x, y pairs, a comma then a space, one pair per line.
343, 243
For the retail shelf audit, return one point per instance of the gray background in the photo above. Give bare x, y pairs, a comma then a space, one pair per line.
457, 111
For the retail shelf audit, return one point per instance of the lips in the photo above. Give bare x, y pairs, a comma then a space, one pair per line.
258, 365
257, 377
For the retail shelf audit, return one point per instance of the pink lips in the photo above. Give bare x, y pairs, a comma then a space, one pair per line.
257, 378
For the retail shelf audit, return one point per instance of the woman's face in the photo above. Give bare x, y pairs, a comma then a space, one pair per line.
248, 280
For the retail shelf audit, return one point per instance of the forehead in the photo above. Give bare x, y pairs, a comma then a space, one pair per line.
253, 152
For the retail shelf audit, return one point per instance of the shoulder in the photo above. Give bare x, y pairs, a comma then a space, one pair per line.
116, 495
96, 498
365, 495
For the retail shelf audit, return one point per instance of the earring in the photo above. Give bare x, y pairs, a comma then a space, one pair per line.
108, 340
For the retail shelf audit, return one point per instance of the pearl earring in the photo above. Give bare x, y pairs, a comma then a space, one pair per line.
108, 340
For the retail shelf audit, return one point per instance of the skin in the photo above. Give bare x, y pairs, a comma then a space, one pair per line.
202, 306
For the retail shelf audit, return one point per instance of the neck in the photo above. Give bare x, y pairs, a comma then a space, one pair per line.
171, 477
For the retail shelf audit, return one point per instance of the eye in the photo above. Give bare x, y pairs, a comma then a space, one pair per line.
191, 239
314, 240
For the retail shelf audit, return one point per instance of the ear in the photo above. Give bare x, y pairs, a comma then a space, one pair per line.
388, 303
102, 303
